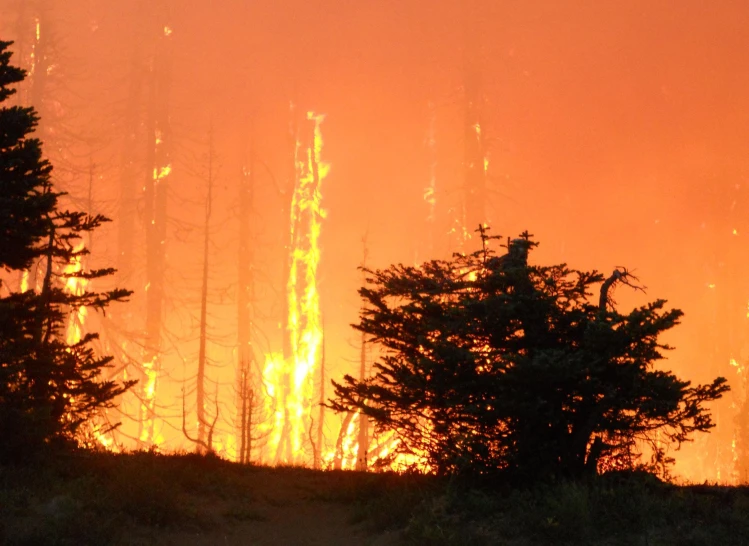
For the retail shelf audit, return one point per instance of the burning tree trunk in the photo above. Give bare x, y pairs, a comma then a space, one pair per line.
158, 169
288, 211
304, 328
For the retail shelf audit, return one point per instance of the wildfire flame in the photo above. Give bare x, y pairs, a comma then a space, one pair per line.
738, 405
147, 403
25, 282
290, 382
76, 286
37, 39
161, 173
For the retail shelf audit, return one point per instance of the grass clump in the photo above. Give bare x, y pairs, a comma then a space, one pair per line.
633, 510
92, 498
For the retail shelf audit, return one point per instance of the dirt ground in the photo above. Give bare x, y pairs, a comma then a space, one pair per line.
294, 508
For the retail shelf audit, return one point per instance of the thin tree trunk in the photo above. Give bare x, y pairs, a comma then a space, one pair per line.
319, 451
245, 299
338, 456
363, 435
200, 387
158, 169
40, 66
126, 218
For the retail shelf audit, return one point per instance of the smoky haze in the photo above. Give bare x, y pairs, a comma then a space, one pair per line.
616, 132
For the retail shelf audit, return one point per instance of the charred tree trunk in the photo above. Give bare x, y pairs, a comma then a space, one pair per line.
203, 338
246, 401
22, 43
320, 444
363, 433
126, 218
40, 66
338, 456
244, 306
32, 49
158, 169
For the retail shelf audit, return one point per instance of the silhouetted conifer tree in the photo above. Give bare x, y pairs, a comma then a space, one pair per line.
48, 387
25, 201
492, 364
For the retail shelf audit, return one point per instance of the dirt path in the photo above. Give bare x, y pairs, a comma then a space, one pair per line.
294, 508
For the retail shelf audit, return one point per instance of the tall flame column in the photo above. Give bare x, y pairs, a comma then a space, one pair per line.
291, 380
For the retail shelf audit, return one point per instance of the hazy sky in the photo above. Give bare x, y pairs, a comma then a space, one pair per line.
618, 134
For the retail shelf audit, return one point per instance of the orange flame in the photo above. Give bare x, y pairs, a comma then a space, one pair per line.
289, 383
147, 404
76, 286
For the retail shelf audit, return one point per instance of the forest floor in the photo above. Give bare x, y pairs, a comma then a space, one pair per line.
150, 499
181, 500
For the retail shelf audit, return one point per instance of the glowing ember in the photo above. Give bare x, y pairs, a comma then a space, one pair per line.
161, 173
147, 404
25, 281
739, 438
76, 286
37, 39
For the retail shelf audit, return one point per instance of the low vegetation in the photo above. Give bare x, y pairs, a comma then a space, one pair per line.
146, 498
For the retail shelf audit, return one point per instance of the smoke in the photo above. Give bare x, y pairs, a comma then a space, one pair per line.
615, 132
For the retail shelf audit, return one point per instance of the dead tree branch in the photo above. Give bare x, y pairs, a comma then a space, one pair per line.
621, 275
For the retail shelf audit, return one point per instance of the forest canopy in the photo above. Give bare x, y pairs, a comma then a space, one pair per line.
491, 364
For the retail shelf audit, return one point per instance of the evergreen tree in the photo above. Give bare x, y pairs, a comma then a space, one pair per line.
49, 386
25, 202
491, 364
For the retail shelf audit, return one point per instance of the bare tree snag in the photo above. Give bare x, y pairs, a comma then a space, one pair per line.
203, 336
620, 275
203, 446
245, 301
363, 432
158, 170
